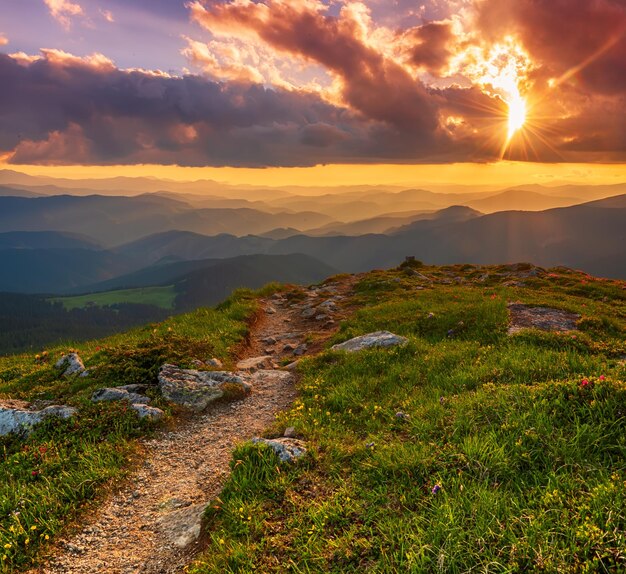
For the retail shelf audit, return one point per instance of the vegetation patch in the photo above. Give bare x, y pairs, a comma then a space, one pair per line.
469, 450
48, 477
162, 297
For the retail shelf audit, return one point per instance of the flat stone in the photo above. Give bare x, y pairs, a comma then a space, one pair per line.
371, 340
19, 419
543, 318
256, 363
287, 449
118, 394
308, 313
196, 389
215, 363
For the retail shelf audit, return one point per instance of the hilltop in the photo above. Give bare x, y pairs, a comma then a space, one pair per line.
477, 442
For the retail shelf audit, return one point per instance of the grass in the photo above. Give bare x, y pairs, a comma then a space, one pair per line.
163, 297
476, 452
48, 477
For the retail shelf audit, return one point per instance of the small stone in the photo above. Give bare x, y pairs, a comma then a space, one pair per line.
287, 449
290, 432
308, 313
215, 363
256, 363
270, 310
151, 413
300, 350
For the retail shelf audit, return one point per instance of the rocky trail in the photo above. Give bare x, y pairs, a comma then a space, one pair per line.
151, 524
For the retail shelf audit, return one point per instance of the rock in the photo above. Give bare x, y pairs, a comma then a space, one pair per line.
321, 317
543, 318
196, 389
292, 366
15, 416
371, 340
328, 305
135, 388
290, 432
215, 363
265, 376
118, 394
287, 449
308, 313
288, 348
256, 363
71, 364
183, 527
269, 340
144, 411
300, 350
270, 310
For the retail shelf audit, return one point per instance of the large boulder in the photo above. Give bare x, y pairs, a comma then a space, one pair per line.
288, 449
17, 417
196, 389
371, 340
71, 364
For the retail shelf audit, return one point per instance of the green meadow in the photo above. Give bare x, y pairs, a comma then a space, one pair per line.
475, 452
163, 297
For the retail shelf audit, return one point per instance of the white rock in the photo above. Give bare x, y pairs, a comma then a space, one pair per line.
71, 364
19, 419
287, 449
371, 340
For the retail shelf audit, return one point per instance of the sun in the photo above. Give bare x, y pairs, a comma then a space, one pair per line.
517, 114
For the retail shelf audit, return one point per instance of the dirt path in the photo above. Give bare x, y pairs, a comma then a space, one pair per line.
143, 527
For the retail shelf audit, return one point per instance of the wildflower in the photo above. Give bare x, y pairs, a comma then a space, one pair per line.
33, 527
584, 383
442, 400
436, 489
370, 445
7, 545
602, 377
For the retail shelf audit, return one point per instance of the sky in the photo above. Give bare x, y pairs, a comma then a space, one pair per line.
301, 83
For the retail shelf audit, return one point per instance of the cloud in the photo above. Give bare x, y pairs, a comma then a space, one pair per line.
107, 15
301, 82
3, 39
63, 11
571, 39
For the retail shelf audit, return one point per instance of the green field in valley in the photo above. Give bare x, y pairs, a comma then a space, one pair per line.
163, 297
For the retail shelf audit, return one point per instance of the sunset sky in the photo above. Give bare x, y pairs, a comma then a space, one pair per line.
297, 83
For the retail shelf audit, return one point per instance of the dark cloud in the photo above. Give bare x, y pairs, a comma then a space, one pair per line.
62, 109
431, 46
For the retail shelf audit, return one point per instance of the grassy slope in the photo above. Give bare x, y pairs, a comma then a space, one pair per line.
508, 462
159, 296
45, 479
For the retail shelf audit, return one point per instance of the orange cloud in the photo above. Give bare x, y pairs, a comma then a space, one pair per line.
63, 11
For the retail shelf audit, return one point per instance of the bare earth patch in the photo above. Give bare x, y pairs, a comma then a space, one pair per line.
544, 318
152, 523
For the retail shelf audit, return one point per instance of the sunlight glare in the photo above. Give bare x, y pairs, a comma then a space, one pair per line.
517, 114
